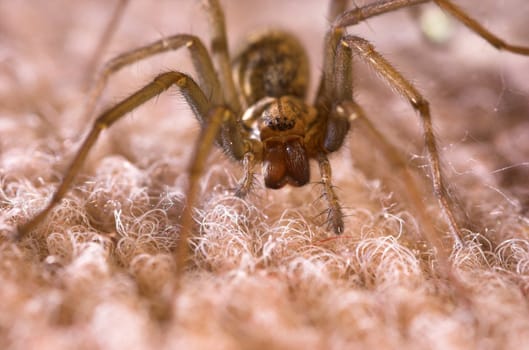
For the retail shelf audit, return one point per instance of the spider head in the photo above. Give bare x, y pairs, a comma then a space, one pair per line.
282, 132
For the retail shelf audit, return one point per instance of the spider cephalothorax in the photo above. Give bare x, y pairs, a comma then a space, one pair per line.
282, 128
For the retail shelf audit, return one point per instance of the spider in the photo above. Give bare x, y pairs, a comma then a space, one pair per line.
254, 107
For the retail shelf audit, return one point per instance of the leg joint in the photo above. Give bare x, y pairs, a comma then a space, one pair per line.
358, 44
191, 41
349, 18
218, 45
100, 123
421, 105
169, 78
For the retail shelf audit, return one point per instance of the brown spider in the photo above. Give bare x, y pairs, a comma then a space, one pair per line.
254, 106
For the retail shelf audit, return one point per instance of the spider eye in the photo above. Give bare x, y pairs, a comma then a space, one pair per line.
285, 162
285, 116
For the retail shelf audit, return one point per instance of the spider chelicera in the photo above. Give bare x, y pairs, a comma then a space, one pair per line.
254, 106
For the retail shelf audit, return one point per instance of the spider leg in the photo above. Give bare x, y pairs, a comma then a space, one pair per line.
335, 215
335, 86
368, 54
220, 52
359, 14
191, 91
246, 183
332, 40
200, 58
362, 13
324, 96
106, 36
398, 165
477, 28
347, 108
216, 118
336, 8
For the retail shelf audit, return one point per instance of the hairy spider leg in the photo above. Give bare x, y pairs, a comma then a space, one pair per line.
362, 13
394, 158
336, 8
220, 52
191, 91
356, 115
477, 28
202, 63
211, 93
334, 211
206, 76
359, 14
337, 125
218, 125
214, 120
217, 117
347, 108
370, 56
245, 185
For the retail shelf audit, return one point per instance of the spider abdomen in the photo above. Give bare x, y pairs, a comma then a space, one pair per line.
272, 64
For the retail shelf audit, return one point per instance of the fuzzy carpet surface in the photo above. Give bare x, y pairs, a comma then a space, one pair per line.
265, 273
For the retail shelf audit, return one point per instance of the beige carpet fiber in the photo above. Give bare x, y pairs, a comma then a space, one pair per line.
265, 272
